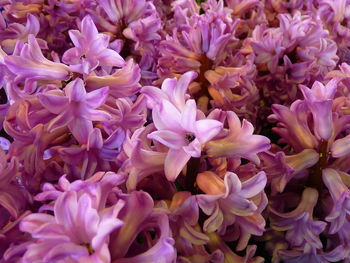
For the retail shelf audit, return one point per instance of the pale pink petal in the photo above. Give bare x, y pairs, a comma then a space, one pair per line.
188, 116
168, 138
207, 129
75, 90
175, 161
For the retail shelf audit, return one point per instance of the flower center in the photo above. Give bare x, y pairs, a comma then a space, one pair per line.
89, 248
190, 137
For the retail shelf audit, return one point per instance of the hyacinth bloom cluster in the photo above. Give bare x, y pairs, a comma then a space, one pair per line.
174, 131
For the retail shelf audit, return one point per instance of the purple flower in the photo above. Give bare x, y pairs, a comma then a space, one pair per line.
240, 141
77, 231
267, 44
90, 49
29, 62
139, 217
319, 100
230, 201
182, 133
77, 109
341, 147
162, 251
144, 159
173, 90
12, 197
310, 254
122, 83
280, 168
95, 155
99, 187
293, 125
299, 224
340, 194
17, 31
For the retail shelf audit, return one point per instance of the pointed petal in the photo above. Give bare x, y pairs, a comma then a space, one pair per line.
97, 97
175, 161
53, 103
168, 138
188, 116
75, 90
207, 129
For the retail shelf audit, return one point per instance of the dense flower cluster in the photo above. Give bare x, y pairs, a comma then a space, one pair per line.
163, 131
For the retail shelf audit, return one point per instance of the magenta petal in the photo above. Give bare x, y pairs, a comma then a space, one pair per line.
34, 221
175, 161
109, 57
60, 251
80, 129
254, 185
75, 90
53, 103
95, 139
108, 223
61, 120
66, 210
97, 97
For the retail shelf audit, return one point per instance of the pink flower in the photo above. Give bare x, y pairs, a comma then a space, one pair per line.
281, 168
319, 100
77, 231
174, 90
77, 109
17, 31
299, 224
96, 155
230, 201
340, 194
90, 49
182, 133
29, 62
240, 141
122, 83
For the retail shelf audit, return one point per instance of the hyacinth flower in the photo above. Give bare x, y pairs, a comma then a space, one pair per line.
172, 89
182, 133
99, 187
12, 197
76, 231
309, 254
199, 47
123, 240
335, 16
303, 53
183, 217
91, 49
293, 126
144, 159
17, 31
319, 100
228, 202
28, 62
75, 108
127, 115
301, 229
340, 194
136, 23
280, 168
122, 83
96, 155
239, 141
